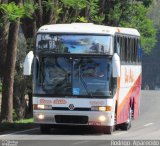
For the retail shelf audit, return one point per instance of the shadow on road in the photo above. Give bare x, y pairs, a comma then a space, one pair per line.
13, 127
76, 131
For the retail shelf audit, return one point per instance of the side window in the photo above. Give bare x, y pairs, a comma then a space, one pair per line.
132, 50
135, 50
117, 45
125, 48
129, 48
122, 49
139, 51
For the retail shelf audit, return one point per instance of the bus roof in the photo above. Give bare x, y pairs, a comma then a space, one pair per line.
86, 28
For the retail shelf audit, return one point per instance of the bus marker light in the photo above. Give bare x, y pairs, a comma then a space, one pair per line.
40, 106
102, 108
108, 108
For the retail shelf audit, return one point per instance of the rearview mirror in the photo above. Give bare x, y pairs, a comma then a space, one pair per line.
27, 65
116, 65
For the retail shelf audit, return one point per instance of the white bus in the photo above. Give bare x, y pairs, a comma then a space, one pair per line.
85, 75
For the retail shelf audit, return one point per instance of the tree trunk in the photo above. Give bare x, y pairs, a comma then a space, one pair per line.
30, 104
39, 14
8, 80
19, 105
29, 27
103, 5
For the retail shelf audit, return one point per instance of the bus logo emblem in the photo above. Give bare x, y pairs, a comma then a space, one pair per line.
71, 107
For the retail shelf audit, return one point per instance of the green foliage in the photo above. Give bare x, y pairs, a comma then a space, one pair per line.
94, 7
115, 13
29, 8
12, 11
138, 19
73, 8
94, 12
82, 19
80, 4
98, 19
30, 120
48, 4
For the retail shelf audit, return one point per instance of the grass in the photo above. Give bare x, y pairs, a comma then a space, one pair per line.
24, 121
17, 125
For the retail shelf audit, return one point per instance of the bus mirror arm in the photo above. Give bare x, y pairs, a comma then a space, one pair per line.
27, 65
116, 66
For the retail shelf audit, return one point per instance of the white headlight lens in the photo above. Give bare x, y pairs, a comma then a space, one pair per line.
41, 117
102, 118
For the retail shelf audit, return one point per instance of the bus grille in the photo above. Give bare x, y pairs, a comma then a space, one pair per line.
71, 119
67, 109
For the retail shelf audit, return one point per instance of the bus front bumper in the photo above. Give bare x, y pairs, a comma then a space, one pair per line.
90, 118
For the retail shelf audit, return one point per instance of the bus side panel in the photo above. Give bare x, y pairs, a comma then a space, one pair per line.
129, 96
136, 100
122, 113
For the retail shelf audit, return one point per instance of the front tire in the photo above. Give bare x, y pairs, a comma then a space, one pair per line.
127, 125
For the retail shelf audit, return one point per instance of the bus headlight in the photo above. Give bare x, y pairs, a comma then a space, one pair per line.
102, 118
41, 107
101, 108
41, 117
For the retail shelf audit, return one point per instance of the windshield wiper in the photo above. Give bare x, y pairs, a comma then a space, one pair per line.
84, 84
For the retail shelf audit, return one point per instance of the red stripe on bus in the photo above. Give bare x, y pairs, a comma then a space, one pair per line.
131, 91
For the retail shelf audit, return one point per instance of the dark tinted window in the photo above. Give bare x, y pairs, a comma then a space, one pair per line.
130, 51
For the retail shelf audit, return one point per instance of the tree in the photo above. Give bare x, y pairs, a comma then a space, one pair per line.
154, 13
13, 13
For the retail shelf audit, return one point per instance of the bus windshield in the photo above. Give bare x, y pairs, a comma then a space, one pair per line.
75, 76
76, 44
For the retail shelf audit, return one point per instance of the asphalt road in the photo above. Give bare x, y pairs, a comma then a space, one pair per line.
147, 127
